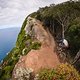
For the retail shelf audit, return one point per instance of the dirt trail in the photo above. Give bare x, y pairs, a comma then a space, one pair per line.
46, 56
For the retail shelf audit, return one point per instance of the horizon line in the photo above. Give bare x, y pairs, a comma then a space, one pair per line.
10, 27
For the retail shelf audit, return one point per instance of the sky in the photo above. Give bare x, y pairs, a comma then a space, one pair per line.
13, 12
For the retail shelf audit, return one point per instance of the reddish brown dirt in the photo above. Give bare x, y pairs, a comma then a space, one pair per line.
45, 57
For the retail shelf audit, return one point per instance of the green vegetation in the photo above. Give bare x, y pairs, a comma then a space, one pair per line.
24, 41
46, 74
66, 15
54, 17
74, 36
62, 72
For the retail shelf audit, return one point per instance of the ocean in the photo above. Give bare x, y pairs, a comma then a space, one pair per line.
8, 37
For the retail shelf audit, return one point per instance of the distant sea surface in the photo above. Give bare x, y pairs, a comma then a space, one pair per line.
8, 37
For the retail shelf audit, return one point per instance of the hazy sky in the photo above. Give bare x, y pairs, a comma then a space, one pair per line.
13, 12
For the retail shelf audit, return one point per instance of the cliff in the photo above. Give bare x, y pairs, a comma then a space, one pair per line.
37, 46
45, 56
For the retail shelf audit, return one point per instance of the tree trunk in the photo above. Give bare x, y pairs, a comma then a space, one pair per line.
77, 57
62, 31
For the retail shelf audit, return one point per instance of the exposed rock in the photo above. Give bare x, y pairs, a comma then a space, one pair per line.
22, 73
45, 57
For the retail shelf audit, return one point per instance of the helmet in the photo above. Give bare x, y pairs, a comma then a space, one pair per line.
65, 43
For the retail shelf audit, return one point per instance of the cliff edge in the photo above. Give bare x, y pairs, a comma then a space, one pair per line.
45, 56
37, 46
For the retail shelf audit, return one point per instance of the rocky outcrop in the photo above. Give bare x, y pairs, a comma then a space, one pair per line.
35, 45
45, 57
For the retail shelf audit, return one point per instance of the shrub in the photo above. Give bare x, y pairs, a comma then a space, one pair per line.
46, 74
62, 72
67, 72
73, 36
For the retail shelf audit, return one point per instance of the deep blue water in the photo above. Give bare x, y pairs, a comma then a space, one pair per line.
8, 38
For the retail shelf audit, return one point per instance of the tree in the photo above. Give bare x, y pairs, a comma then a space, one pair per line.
63, 20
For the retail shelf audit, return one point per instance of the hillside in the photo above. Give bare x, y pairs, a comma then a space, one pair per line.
37, 43
43, 57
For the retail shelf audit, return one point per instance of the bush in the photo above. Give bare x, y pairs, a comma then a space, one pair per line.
46, 74
67, 72
62, 72
73, 36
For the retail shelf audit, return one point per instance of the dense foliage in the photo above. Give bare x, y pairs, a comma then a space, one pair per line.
73, 35
62, 72
65, 15
54, 18
24, 44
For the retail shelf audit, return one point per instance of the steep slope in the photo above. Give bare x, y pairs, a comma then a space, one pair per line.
35, 46
65, 15
46, 56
